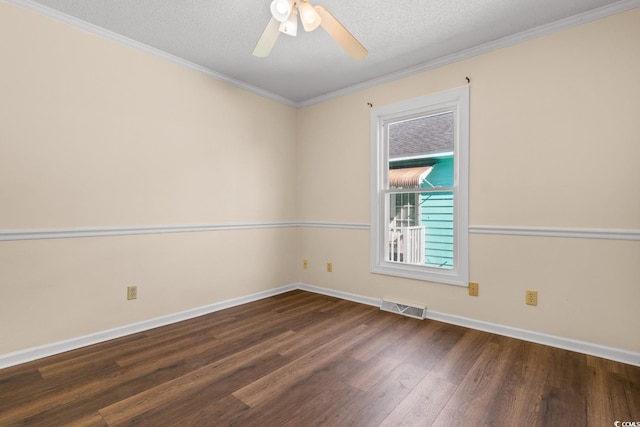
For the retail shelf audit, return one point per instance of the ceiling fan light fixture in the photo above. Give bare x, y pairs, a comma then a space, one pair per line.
290, 26
309, 16
281, 9
285, 20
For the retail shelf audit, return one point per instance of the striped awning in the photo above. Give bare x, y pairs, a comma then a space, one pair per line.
408, 177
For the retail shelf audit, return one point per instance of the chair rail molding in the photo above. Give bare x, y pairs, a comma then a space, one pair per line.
581, 233
72, 233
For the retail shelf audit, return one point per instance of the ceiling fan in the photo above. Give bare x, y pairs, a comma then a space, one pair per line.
285, 20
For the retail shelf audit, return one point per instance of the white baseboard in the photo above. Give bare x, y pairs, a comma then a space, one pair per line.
27, 355
339, 294
39, 352
611, 353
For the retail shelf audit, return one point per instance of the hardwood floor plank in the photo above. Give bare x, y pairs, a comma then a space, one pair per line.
303, 299
160, 351
611, 396
478, 387
70, 402
161, 395
462, 356
303, 359
18, 385
324, 407
100, 384
301, 368
434, 334
562, 407
94, 350
96, 359
91, 420
208, 398
422, 405
381, 399
523, 384
324, 329
277, 409
219, 412
391, 335
283, 321
370, 372
435, 343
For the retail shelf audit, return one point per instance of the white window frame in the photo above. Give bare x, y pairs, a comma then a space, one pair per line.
456, 100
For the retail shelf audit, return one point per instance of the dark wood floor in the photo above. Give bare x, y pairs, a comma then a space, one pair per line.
302, 359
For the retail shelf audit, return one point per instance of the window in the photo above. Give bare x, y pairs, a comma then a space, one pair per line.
419, 188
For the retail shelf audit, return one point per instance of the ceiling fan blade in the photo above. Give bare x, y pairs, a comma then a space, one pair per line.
349, 43
267, 39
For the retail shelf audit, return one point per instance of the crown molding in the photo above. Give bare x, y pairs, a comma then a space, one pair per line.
583, 18
543, 30
110, 35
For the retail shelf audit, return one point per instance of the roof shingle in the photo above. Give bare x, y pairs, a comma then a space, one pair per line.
421, 136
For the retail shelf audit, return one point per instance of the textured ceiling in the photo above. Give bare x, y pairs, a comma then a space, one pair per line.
400, 35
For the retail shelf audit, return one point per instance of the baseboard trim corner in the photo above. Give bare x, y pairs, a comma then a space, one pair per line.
34, 353
339, 294
39, 352
611, 353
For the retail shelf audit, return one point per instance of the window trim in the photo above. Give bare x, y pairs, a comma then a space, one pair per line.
457, 100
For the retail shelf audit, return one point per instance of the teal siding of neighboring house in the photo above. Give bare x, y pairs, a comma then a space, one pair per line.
437, 216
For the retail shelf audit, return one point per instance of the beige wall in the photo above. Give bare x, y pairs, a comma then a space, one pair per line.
95, 134
555, 142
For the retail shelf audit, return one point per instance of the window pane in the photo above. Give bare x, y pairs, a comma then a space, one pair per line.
417, 147
437, 217
421, 224
420, 230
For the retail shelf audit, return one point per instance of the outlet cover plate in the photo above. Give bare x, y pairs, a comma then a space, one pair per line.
474, 289
532, 298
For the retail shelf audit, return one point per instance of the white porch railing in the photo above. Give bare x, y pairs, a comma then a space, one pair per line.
406, 244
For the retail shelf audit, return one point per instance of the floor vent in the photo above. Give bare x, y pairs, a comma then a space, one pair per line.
416, 312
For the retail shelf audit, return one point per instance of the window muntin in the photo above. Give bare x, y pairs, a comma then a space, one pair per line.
419, 188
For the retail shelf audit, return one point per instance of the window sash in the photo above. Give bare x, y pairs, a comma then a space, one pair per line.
423, 235
419, 190
457, 101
